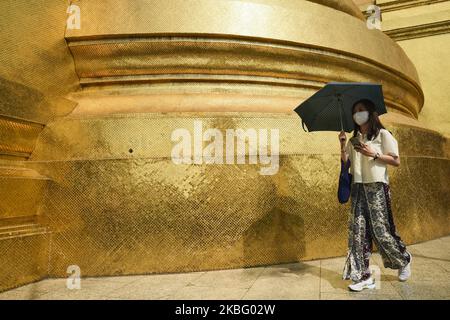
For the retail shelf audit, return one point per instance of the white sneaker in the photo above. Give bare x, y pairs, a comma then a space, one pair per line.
405, 272
366, 284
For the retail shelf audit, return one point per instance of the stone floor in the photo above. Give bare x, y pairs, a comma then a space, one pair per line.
320, 279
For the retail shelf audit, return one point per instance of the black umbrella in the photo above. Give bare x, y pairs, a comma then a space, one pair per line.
329, 109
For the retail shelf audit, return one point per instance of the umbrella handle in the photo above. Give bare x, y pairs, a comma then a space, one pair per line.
340, 113
303, 126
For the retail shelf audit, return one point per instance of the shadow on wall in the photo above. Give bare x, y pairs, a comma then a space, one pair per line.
278, 236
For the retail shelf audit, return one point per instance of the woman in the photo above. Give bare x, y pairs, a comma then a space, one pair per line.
371, 218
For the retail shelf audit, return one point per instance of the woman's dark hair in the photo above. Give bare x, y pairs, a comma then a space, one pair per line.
374, 122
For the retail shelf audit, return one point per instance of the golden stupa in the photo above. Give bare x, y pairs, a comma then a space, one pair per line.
86, 116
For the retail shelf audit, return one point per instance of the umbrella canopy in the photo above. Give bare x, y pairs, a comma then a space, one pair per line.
329, 109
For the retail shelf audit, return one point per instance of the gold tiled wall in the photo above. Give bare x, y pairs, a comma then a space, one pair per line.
23, 235
36, 71
99, 185
115, 212
24, 259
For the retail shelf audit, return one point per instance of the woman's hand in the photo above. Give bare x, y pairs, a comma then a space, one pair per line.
366, 150
370, 152
342, 138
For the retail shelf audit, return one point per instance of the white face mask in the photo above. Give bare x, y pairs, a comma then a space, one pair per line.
361, 117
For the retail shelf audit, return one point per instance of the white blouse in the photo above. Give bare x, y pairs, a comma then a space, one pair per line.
364, 168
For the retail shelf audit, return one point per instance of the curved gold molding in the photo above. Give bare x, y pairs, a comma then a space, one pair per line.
23, 113
404, 4
17, 137
238, 52
419, 31
110, 136
240, 64
297, 22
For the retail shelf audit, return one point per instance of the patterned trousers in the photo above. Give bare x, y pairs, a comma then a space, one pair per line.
371, 220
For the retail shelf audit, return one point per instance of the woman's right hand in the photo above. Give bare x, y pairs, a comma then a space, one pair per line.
342, 138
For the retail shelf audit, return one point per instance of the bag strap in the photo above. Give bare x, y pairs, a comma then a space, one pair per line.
346, 165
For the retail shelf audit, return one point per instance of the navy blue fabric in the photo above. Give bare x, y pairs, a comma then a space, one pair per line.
345, 182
